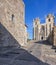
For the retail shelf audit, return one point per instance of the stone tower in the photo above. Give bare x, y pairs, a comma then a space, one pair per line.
36, 26
49, 24
12, 23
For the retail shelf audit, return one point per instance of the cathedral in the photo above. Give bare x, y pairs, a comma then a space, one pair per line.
43, 31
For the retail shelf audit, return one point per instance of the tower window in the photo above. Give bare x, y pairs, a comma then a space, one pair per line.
12, 17
49, 20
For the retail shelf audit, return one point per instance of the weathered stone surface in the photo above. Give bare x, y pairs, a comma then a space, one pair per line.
12, 23
54, 36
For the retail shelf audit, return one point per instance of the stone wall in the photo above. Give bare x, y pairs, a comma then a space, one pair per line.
50, 24
36, 29
54, 37
12, 22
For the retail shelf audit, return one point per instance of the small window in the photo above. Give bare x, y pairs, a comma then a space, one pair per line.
49, 20
12, 17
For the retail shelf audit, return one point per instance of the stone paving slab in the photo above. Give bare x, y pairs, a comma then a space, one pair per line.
50, 60
11, 53
18, 56
7, 61
21, 62
47, 53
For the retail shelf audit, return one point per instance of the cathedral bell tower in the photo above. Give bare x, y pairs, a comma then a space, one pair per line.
36, 25
49, 24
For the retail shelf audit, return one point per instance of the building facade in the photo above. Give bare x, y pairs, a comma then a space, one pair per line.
54, 36
13, 31
43, 31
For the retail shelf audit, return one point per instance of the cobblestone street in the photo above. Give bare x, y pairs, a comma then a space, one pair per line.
35, 53
16, 56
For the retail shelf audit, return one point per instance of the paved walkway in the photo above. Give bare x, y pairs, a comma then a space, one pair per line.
42, 51
34, 53
18, 56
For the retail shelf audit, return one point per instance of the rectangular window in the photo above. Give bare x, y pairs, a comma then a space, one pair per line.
12, 17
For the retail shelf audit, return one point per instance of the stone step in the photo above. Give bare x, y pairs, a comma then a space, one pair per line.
7, 61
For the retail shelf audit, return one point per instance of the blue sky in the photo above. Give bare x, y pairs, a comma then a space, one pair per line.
38, 8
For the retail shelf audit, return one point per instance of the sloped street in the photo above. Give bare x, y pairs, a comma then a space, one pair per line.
19, 56
34, 53
42, 51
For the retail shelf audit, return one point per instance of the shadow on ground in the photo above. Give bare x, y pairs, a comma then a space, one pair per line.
45, 42
20, 54
14, 53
